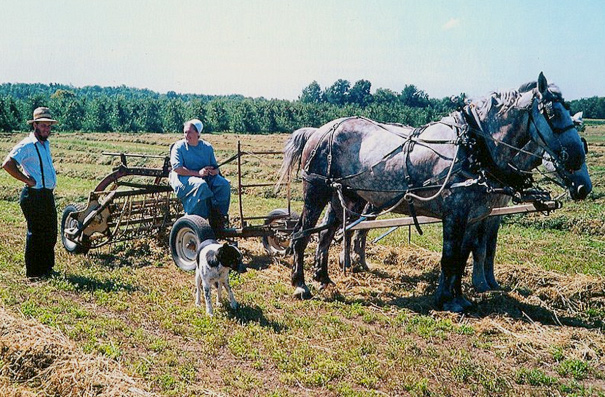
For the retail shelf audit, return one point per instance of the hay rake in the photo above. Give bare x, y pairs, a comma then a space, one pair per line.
135, 202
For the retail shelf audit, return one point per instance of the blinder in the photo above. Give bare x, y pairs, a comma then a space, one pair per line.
547, 110
550, 141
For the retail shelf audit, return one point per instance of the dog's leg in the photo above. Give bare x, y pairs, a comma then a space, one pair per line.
198, 289
232, 300
218, 293
208, 298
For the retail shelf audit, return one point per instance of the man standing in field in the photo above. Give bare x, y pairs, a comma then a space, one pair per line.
195, 177
30, 162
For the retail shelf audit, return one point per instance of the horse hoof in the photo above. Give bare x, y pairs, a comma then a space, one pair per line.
487, 286
494, 286
361, 268
465, 303
453, 307
325, 284
483, 287
302, 293
321, 277
457, 305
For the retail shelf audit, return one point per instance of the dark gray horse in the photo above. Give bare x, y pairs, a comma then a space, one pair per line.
455, 169
480, 237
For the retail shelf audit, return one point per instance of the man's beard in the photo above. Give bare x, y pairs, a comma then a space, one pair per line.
40, 137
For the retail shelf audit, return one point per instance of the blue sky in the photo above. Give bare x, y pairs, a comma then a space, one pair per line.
276, 48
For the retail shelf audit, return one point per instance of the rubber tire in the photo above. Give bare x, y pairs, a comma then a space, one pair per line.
272, 245
187, 230
71, 246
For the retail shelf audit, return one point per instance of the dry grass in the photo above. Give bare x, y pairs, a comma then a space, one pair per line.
40, 361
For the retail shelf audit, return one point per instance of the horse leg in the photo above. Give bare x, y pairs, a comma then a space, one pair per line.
476, 235
449, 291
323, 246
315, 199
491, 240
358, 258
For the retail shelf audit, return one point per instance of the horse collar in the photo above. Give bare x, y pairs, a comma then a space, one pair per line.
481, 156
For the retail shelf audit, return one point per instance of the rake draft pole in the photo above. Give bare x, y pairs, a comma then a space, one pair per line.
544, 207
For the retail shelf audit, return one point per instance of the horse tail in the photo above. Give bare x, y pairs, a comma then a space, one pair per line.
293, 152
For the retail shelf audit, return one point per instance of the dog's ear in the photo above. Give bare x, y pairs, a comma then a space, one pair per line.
212, 258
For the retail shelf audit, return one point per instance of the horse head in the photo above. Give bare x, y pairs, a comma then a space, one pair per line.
553, 126
579, 184
534, 123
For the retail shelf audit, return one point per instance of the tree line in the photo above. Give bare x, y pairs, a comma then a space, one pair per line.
125, 109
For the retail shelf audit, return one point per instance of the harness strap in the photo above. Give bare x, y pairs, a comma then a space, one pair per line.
414, 217
314, 178
329, 132
483, 152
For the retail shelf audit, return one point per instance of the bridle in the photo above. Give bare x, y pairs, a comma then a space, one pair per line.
553, 147
542, 133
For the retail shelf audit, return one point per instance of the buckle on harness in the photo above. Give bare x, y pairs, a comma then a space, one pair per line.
467, 183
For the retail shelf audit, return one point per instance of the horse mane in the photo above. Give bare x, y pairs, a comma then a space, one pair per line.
502, 100
528, 86
552, 88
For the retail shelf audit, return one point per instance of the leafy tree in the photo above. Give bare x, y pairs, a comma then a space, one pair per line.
194, 108
122, 117
9, 115
593, 108
242, 117
311, 93
266, 111
35, 101
311, 115
384, 95
98, 115
337, 93
173, 115
413, 97
360, 93
150, 117
95, 108
217, 117
287, 116
68, 109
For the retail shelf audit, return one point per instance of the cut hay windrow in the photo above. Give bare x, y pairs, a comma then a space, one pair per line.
44, 360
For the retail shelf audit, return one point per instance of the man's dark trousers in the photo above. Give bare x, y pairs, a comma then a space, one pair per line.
38, 206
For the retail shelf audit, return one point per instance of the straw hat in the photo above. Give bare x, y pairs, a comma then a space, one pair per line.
42, 114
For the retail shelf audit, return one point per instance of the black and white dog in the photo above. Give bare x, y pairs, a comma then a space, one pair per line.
214, 261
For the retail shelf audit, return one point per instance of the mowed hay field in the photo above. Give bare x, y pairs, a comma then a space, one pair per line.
121, 320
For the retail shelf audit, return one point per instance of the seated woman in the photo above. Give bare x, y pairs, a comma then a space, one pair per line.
195, 176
